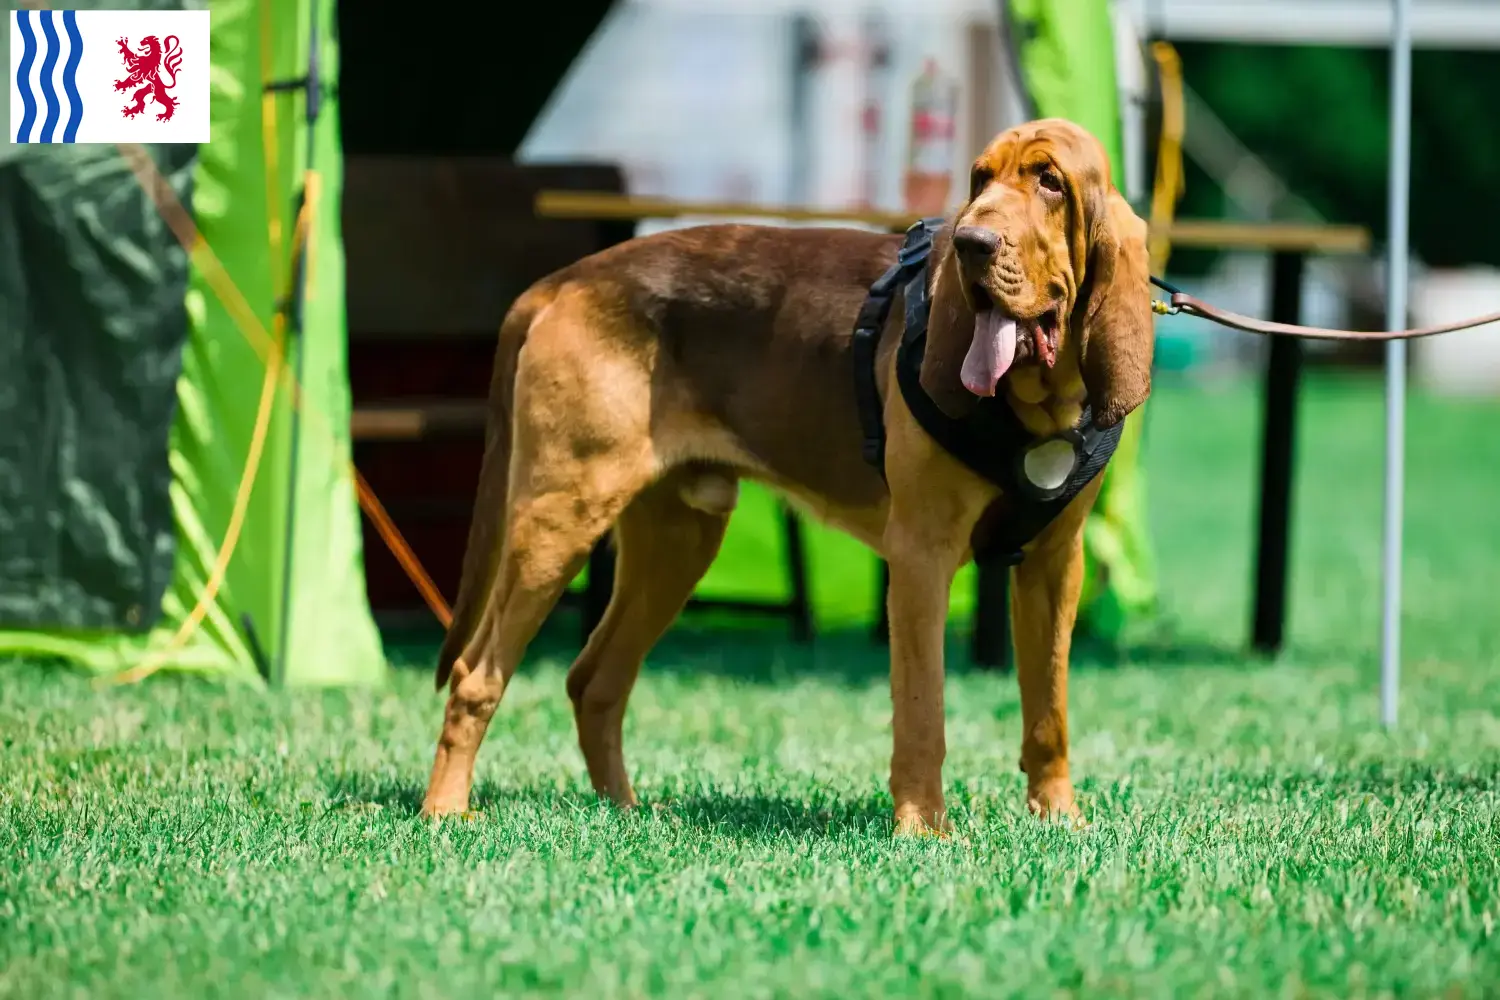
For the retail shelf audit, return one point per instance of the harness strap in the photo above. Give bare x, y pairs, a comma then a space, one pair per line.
990, 440
1026, 520
911, 265
871, 320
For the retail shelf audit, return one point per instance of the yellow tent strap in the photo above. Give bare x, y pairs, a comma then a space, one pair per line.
274, 360
1170, 181
270, 148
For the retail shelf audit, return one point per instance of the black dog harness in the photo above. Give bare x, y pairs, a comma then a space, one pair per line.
1039, 476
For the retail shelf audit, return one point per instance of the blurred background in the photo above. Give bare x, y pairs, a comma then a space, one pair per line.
769, 101
425, 152
1287, 108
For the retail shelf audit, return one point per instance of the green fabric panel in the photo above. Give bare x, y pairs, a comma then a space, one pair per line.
1119, 584
331, 637
843, 575
222, 384
1067, 50
91, 335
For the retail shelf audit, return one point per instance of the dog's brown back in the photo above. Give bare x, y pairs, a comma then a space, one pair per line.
753, 328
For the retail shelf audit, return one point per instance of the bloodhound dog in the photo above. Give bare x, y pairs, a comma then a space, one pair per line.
636, 387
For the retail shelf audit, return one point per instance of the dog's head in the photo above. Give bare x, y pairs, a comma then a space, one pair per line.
1052, 264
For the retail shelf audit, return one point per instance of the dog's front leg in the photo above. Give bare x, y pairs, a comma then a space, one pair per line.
921, 577
1043, 607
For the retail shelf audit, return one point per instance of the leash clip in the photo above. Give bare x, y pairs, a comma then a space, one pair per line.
1170, 308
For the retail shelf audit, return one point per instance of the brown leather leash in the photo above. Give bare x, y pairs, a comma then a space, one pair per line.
1181, 302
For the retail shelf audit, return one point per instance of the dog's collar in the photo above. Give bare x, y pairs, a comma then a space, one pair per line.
1039, 476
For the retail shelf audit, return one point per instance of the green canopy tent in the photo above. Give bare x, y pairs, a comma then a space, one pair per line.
131, 384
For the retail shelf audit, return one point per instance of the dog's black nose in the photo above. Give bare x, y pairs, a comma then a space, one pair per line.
975, 242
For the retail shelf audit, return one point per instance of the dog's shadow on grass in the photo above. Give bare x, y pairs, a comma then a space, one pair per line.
764, 654
754, 652
746, 817
762, 817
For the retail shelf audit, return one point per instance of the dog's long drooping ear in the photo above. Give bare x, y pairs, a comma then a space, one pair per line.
1118, 339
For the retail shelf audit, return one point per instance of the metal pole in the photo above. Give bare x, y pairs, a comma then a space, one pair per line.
1395, 357
297, 340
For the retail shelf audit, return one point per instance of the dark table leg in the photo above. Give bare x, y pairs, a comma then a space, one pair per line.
991, 639
883, 609
1279, 431
796, 558
601, 584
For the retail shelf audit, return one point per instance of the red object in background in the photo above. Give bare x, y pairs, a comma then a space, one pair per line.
869, 130
872, 117
929, 157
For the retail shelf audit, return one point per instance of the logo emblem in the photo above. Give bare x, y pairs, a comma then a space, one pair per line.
153, 71
109, 76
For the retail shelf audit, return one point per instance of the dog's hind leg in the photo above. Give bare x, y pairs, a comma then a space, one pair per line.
580, 452
667, 538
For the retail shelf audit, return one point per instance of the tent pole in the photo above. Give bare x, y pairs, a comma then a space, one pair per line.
298, 311
1395, 356
1012, 57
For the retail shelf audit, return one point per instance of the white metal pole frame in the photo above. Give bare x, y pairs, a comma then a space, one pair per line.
1395, 356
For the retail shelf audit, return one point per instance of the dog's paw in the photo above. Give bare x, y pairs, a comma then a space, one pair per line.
1053, 801
913, 830
914, 822
438, 808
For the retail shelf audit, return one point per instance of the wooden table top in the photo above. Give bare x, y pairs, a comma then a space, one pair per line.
1198, 233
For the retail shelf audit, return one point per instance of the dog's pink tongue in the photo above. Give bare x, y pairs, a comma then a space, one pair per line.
990, 354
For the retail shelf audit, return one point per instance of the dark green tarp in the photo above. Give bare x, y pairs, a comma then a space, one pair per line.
92, 326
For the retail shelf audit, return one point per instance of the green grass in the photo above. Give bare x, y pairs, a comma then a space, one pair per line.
1254, 832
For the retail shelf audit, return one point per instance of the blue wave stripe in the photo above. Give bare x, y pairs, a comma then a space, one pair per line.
49, 63
70, 75
23, 75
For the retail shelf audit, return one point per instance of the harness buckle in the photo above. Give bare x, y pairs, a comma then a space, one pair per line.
918, 242
913, 253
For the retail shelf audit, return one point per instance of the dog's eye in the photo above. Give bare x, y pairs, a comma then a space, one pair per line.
1049, 180
978, 181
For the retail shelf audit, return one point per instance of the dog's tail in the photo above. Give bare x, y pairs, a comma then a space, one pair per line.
491, 502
